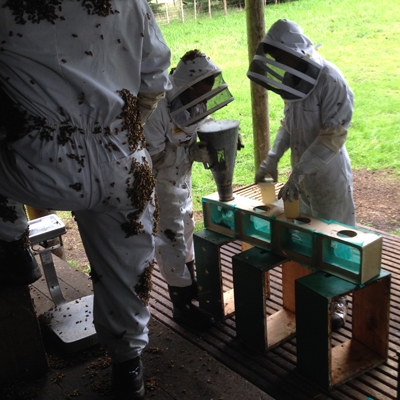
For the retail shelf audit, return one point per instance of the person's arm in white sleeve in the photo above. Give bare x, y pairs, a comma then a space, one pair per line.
336, 113
156, 59
163, 153
270, 164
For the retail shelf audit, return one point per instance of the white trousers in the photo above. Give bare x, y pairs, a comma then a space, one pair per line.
174, 240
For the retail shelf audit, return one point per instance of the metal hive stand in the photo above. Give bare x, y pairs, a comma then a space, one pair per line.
71, 322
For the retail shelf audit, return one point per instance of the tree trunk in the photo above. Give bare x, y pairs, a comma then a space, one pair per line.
259, 95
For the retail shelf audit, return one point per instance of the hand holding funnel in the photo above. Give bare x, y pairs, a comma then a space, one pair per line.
222, 143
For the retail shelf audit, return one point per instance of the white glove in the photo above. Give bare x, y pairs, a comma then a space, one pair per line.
268, 166
198, 152
290, 190
148, 103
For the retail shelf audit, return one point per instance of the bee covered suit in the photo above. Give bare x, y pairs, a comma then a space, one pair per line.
171, 135
70, 77
318, 110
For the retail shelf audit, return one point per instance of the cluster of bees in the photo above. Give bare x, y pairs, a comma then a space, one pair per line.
18, 247
191, 55
132, 120
36, 11
145, 284
7, 213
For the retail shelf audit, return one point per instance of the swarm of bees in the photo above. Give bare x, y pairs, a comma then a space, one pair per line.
36, 11
132, 120
17, 247
156, 215
7, 213
191, 55
133, 226
145, 284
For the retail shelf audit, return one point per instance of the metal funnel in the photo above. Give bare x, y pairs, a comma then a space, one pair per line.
222, 138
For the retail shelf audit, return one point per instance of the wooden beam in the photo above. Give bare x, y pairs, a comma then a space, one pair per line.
259, 96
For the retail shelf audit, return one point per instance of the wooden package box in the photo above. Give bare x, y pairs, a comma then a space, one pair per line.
350, 253
254, 225
250, 280
212, 298
316, 356
295, 239
219, 216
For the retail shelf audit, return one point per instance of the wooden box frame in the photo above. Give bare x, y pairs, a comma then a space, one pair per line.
250, 276
332, 366
212, 298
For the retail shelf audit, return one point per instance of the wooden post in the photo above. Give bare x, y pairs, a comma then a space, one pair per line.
166, 12
209, 8
259, 95
225, 8
182, 16
195, 10
34, 213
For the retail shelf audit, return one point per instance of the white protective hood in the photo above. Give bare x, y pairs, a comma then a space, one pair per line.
291, 84
194, 67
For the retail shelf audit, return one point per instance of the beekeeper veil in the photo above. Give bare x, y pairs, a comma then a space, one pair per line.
286, 62
198, 90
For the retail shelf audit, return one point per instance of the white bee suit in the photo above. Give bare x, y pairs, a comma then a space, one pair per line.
318, 111
77, 80
168, 137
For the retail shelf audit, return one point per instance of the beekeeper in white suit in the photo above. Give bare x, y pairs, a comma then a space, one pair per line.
318, 110
171, 136
76, 84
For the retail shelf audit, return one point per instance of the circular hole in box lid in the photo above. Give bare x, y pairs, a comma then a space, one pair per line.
261, 209
302, 220
347, 234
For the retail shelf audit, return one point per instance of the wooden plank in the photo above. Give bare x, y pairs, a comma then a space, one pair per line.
229, 302
351, 359
371, 316
246, 246
280, 326
290, 272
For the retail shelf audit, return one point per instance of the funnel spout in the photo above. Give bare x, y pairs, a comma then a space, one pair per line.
221, 137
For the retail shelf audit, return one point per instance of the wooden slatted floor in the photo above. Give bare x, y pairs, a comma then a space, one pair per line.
275, 372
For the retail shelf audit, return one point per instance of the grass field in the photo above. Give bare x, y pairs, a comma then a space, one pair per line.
360, 37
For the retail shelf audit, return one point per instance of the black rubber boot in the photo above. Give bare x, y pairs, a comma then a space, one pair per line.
17, 264
339, 313
195, 291
184, 312
127, 378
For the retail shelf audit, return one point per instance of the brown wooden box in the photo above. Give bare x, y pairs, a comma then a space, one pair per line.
250, 277
316, 356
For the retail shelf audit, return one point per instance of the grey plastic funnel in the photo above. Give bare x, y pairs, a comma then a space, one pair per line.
221, 137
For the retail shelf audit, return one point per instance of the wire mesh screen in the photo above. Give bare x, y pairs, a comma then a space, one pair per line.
166, 11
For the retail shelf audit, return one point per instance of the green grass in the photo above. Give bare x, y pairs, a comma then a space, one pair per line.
360, 37
396, 232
